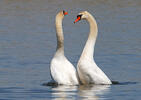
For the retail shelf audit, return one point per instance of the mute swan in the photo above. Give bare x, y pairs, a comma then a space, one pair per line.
88, 71
62, 71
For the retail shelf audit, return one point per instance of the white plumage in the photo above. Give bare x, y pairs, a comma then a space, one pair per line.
62, 71
88, 71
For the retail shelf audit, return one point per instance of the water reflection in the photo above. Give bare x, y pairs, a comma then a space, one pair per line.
92, 92
64, 92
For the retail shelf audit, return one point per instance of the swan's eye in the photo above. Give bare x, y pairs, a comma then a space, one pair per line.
65, 13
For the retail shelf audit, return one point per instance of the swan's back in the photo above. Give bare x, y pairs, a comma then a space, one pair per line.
63, 72
90, 73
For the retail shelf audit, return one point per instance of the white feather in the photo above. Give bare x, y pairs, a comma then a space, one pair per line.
62, 71
88, 71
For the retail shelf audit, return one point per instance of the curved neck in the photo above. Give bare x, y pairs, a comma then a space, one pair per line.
89, 46
60, 37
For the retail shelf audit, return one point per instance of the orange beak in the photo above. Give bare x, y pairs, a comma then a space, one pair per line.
65, 13
78, 18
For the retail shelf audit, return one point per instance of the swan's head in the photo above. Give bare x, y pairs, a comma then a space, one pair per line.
64, 12
82, 15
61, 14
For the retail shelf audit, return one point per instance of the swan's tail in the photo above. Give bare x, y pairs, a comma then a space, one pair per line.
115, 82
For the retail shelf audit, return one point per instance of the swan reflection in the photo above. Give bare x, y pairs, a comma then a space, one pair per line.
82, 92
64, 92
92, 92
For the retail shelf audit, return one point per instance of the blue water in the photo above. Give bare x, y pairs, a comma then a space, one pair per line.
28, 43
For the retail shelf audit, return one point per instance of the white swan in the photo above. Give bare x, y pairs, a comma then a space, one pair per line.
62, 71
88, 71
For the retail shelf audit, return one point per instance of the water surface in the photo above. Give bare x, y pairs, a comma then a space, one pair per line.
28, 42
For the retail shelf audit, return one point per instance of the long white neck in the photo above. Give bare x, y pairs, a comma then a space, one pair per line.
90, 44
60, 36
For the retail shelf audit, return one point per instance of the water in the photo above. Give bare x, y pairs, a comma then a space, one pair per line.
28, 42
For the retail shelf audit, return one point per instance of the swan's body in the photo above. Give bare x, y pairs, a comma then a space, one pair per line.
88, 71
62, 71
